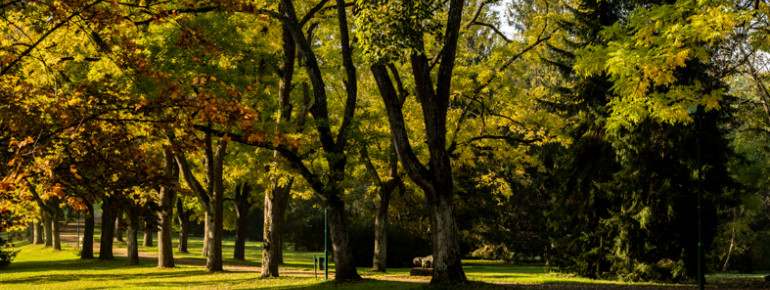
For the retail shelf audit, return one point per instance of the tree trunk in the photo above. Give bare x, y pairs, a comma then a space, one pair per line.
184, 226
206, 228
166, 212
386, 189
279, 224
214, 257
37, 233
447, 264
132, 243
56, 225
48, 228
275, 208
87, 250
242, 206
108, 230
343, 255
119, 221
239, 250
147, 241
379, 261
29, 232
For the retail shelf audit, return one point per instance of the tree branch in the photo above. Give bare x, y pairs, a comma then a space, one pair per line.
287, 153
29, 49
499, 33
312, 12
189, 178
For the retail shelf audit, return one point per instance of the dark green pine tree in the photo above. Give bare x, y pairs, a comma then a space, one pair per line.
626, 206
578, 202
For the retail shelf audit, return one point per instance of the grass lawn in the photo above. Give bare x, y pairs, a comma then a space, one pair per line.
39, 268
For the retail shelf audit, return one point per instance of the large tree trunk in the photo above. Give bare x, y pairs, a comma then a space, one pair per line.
147, 241
379, 261
56, 224
132, 243
446, 248
184, 226
214, 257
343, 255
108, 230
48, 228
275, 209
37, 233
87, 252
166, 213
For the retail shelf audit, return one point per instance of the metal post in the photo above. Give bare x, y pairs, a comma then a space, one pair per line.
326, 238
701, 279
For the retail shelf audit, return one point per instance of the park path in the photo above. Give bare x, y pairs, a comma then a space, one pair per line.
69, 236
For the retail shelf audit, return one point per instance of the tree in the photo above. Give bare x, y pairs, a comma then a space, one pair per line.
211, 198
410, 38
166, 210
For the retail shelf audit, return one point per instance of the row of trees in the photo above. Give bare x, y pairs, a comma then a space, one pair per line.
569, 126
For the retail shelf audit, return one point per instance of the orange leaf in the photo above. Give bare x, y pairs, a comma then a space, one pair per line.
246, 124
249, 88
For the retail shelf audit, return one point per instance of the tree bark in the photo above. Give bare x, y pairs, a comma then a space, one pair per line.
108, 230
206, 228
132, 243
56, 224
48, 228
166, 213
183, 217
275, 209
214, 257
37, 233
147, 241
379, 261
242, 206
87, 250
29, 234
343, 255
119, 228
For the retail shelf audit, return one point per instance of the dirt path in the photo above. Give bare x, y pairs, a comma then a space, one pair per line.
69, 236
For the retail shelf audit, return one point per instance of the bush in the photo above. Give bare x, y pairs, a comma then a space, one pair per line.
6, 256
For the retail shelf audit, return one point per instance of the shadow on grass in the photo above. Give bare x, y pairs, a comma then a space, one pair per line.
48, 278
187, 284
368, 284
75, 264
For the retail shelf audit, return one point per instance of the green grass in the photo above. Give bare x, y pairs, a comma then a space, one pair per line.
36, 267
